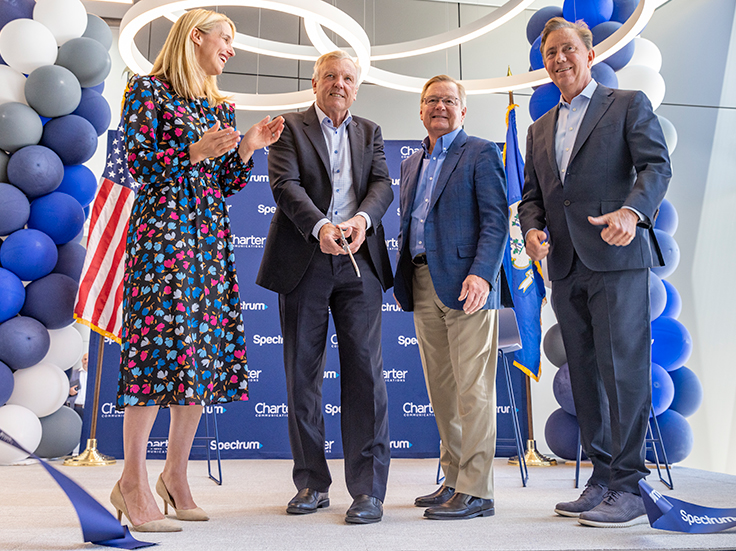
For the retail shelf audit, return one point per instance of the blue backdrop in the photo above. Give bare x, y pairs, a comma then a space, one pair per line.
257, 429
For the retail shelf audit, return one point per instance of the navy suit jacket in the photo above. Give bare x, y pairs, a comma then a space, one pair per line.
299, 174
467, 225
619, 159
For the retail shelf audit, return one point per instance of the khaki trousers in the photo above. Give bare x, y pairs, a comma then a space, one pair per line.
459, 354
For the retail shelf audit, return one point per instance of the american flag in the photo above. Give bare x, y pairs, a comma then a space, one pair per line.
100, 296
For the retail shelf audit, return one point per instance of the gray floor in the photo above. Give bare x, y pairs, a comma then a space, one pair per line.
247, 512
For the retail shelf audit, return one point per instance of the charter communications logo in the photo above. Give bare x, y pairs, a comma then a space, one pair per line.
407, 151
108, 411
263, 409
236, 445
392, 244
248, 241
158, 446
418, 410
395, 375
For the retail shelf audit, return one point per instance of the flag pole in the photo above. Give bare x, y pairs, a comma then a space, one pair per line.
532, 457
91, 457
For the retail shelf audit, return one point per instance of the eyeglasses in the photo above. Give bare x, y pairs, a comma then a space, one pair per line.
432, 101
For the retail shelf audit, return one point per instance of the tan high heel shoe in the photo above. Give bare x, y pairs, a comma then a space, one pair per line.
196, 514
163, 525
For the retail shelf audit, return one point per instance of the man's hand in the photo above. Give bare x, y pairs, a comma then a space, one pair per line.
537, 246
620, 227
475, 293
329, 236
355, 228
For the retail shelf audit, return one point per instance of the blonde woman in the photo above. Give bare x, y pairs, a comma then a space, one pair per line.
183, 345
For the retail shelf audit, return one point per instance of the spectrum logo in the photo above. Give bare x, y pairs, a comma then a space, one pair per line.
395, 181
332, 410
400, 445
253, 306
266, 209
395, 376
503, 409
263, 409
249, 241
388, 307
108, 411
407, 341
236, 445
261, 340
259, 177
418, 410
331, 375
408, 151
392, 244
217, 410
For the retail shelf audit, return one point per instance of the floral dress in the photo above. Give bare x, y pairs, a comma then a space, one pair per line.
183, 339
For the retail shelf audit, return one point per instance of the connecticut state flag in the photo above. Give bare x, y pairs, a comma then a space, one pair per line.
525, 276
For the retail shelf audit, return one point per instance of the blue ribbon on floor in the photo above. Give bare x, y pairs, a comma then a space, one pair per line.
98, 525
668, 513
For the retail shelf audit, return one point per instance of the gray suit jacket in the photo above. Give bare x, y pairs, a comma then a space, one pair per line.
299, 173
619, 159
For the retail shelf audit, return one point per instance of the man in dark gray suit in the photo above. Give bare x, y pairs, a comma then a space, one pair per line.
328, 173
597, 169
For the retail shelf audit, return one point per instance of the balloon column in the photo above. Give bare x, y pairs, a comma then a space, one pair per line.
55, 60
676, 390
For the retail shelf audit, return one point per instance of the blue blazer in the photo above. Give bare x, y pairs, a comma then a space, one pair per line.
467, 225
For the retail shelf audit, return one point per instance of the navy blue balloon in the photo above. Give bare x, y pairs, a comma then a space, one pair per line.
71, 137
58, 215
29, 254
14, 209
543, 99
623, 9
12, 294
663, 389
670, 252
671, 343
79, 182
688, 391
673, 306
24, 342
657, 297
50, 300
35, 170
667, 218
536, 23
553, 346
603, 74
7, 383
71, 260
95, 109
99, 88
618, 60
677, 436
563, 390
15, 9
535, 56
592, 12
561, 433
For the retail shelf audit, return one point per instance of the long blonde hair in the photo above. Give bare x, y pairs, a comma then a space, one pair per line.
177, 63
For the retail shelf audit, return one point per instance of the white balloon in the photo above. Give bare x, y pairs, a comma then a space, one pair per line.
12, 85
639, 77
66, 347
670, 133
26, 45
66, 19
646, 53
42, 388
25, 428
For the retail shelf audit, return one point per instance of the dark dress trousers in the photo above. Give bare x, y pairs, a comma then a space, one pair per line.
601, 292
310, 284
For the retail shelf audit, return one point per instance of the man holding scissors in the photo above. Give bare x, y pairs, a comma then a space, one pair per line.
325, 252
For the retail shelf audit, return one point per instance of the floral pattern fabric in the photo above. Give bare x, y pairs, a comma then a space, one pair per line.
183, 339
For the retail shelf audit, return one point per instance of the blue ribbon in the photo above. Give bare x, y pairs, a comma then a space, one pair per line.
98, 525
668, 513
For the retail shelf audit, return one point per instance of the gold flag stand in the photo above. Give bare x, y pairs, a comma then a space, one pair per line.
91, 457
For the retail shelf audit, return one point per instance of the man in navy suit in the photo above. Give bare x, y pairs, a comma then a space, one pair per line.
597, 169
328, 173
454, 228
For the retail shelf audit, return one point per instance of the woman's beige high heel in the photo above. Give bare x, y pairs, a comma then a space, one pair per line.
163, 525
182, 514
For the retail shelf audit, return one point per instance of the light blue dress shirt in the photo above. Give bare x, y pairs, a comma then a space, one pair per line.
431, 168
569, 117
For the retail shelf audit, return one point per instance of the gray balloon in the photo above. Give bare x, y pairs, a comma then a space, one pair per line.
53, 91
98, 30
4, 166
553, 346
19, 126
60, 433
87, 59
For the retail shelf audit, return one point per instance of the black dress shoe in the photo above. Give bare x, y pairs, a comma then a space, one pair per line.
461, 506
308, 501
438, 497
365, 510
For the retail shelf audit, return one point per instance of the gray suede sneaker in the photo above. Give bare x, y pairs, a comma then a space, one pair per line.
617, 510
590, 498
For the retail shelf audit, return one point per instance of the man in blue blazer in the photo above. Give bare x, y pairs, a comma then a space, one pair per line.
597, 169
454, 229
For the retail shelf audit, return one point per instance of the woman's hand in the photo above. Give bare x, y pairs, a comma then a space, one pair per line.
260, 135
213, 143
